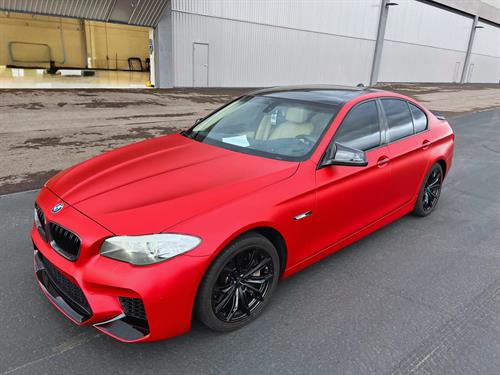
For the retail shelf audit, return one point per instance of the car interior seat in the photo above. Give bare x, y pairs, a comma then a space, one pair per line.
296, 124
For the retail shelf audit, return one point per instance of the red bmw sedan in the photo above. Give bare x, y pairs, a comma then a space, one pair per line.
138, 240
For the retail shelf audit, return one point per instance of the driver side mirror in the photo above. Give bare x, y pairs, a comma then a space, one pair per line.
339, 154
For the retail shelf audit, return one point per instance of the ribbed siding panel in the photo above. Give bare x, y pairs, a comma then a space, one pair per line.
485, 58
423, 24
487, 40
249, 54
83, 9
146, 13
344, 17
424, 43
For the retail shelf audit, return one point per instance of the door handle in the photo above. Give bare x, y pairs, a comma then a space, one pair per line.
425, 144
382, 161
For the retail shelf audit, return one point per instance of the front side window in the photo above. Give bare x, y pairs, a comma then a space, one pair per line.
399, 120
360, 128
419, 118
273, 127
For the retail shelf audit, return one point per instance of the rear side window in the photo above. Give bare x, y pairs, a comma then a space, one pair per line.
360, 129
399, 119
419, 118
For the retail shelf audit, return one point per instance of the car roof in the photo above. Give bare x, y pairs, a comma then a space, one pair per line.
324, 94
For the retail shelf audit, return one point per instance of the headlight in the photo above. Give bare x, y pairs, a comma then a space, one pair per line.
149, 249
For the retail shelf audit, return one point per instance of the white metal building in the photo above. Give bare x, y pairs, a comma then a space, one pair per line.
244, 43
257, 43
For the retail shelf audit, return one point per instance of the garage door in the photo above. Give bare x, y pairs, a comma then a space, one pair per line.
485, 58
424, 43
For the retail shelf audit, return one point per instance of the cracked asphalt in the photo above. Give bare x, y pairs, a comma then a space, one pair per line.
419, 296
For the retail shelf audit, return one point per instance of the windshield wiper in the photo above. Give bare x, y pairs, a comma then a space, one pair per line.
187, 134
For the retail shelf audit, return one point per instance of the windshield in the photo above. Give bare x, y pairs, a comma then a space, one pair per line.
266, 126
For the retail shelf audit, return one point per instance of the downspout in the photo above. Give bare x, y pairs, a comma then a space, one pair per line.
469, 50
379, 43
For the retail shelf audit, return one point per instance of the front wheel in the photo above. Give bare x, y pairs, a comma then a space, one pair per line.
429, 192
239, 284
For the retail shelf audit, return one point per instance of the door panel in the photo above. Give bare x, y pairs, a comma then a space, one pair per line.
350, 198
200, 65
408, 152
409, 160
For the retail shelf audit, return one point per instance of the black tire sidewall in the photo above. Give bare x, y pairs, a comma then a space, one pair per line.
203, 305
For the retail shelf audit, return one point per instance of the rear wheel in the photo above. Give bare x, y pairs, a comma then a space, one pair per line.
429, 192
239, 284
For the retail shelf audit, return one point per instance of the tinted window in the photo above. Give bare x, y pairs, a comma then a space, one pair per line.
360, 129
419, 118
399, 119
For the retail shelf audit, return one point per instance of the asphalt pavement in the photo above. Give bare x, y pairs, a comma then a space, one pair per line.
419, 296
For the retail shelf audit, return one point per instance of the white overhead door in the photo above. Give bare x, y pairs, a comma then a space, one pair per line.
424, 43
485, 58
275, 42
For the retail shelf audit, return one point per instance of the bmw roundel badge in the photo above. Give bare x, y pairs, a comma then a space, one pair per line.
58, 207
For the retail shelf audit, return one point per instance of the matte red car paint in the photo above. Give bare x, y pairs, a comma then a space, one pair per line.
217, 194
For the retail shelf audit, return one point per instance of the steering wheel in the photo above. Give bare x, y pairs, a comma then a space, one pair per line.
306, 139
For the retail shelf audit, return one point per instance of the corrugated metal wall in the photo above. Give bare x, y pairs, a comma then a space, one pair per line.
264, 43
424, 43
485, 58
274, 42
91, 9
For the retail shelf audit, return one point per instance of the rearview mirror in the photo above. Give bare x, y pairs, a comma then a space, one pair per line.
339, 154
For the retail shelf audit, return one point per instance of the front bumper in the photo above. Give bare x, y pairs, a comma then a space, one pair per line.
167, 289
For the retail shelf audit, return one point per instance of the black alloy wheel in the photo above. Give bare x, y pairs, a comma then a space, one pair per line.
238, 284
242, 285
430, 192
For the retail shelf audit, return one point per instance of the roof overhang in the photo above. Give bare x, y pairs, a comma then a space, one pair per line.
131, 12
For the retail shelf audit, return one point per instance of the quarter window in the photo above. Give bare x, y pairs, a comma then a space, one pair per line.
399, 119
360, 129
419, 118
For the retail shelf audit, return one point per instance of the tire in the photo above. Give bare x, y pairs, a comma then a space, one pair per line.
430, 192
227, 276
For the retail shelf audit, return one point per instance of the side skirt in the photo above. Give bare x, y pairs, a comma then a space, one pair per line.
389, 218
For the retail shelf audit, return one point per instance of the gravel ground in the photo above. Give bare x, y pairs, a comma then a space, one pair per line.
44, 131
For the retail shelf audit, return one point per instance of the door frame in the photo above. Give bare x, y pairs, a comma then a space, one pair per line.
208, 59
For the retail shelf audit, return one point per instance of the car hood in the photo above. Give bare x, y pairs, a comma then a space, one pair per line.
152, 185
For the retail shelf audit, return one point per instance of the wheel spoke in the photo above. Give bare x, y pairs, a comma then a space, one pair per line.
251, 257
225, 300
257, 268
258, 280
244, 303
234, 307
256, 293
431, 184
223, 289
